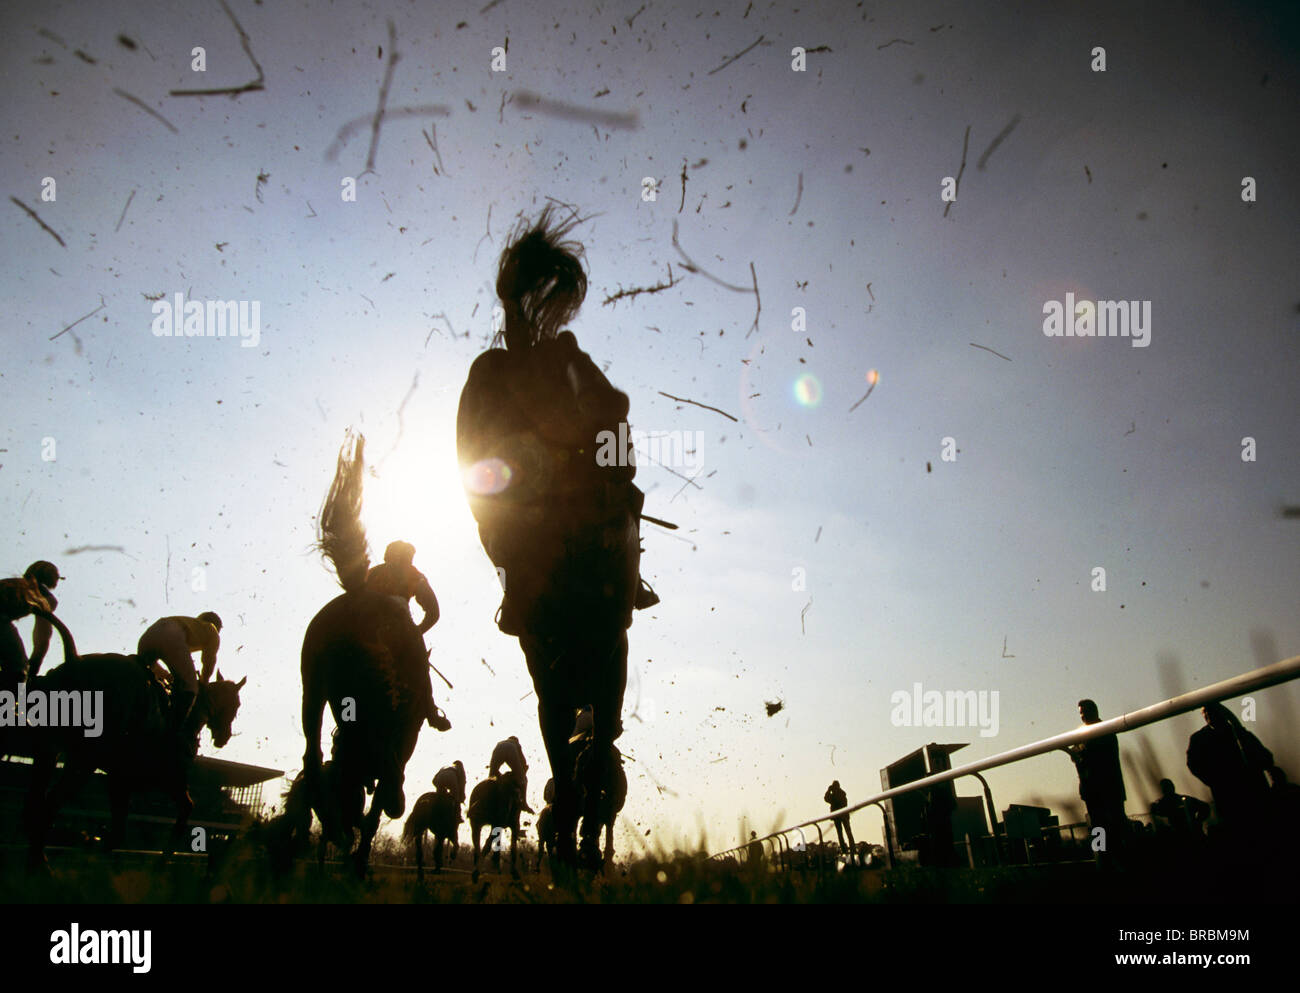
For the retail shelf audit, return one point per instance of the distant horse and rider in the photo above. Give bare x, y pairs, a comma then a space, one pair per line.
561, 525
364, 656
437, 813
613, 793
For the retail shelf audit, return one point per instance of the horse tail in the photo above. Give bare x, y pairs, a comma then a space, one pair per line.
340, 536
416, 823
540, 279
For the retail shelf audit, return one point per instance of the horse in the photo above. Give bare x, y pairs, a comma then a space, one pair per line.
561, 525
364, 656
546, 837
612, 796
439, 814
134, 747
495, 802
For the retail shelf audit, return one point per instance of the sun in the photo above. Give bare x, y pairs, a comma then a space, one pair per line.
414, 493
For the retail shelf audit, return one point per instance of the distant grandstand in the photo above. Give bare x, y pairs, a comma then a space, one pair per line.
227, 797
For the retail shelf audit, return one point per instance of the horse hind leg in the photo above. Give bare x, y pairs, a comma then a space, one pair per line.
39, 812
514, 834
476, 832
119, 802
184, 807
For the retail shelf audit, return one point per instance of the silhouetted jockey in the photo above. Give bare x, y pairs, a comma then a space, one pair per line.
1231, 762
398, 577
1101, 781
171, 642
18, 598
46, 576
563, 525
451, 780
511, 754
836, 797
1181, 815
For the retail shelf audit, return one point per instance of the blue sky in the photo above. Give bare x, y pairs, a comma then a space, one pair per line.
197, 453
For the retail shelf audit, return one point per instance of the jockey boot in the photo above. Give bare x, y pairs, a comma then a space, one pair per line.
645, 596
436, 718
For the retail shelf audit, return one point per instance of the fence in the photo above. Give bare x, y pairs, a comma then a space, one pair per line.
1270, 675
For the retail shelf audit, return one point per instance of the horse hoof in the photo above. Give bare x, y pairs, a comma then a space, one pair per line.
474, 876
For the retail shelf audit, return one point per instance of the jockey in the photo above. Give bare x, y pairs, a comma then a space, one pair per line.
18, 598
398, 578
46, 576
511, 754
451, 780
171, 642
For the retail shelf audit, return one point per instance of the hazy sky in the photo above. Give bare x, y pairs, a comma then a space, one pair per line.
177, 454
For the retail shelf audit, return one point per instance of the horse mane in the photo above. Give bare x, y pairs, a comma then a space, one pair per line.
340, 535
540, 279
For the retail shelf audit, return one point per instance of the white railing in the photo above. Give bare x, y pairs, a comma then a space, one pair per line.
1258, 679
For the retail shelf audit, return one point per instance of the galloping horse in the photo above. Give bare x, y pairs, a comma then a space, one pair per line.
134, 748
560, 523
546, 838
364, 656
495, 803
439, 814
612, 796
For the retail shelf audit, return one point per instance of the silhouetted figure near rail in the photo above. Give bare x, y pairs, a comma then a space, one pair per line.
1231, 762
1101, 785
172, 641
1181, 816
561, 526
1178, 821
755, 850
836, 797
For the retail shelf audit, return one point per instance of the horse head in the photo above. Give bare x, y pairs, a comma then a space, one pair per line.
221, 704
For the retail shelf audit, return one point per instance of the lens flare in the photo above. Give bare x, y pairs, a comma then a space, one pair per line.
873, 377
807, 390
488, 477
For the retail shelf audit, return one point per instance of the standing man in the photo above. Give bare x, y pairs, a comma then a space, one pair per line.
1231, 762
837, 798
1101, 782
